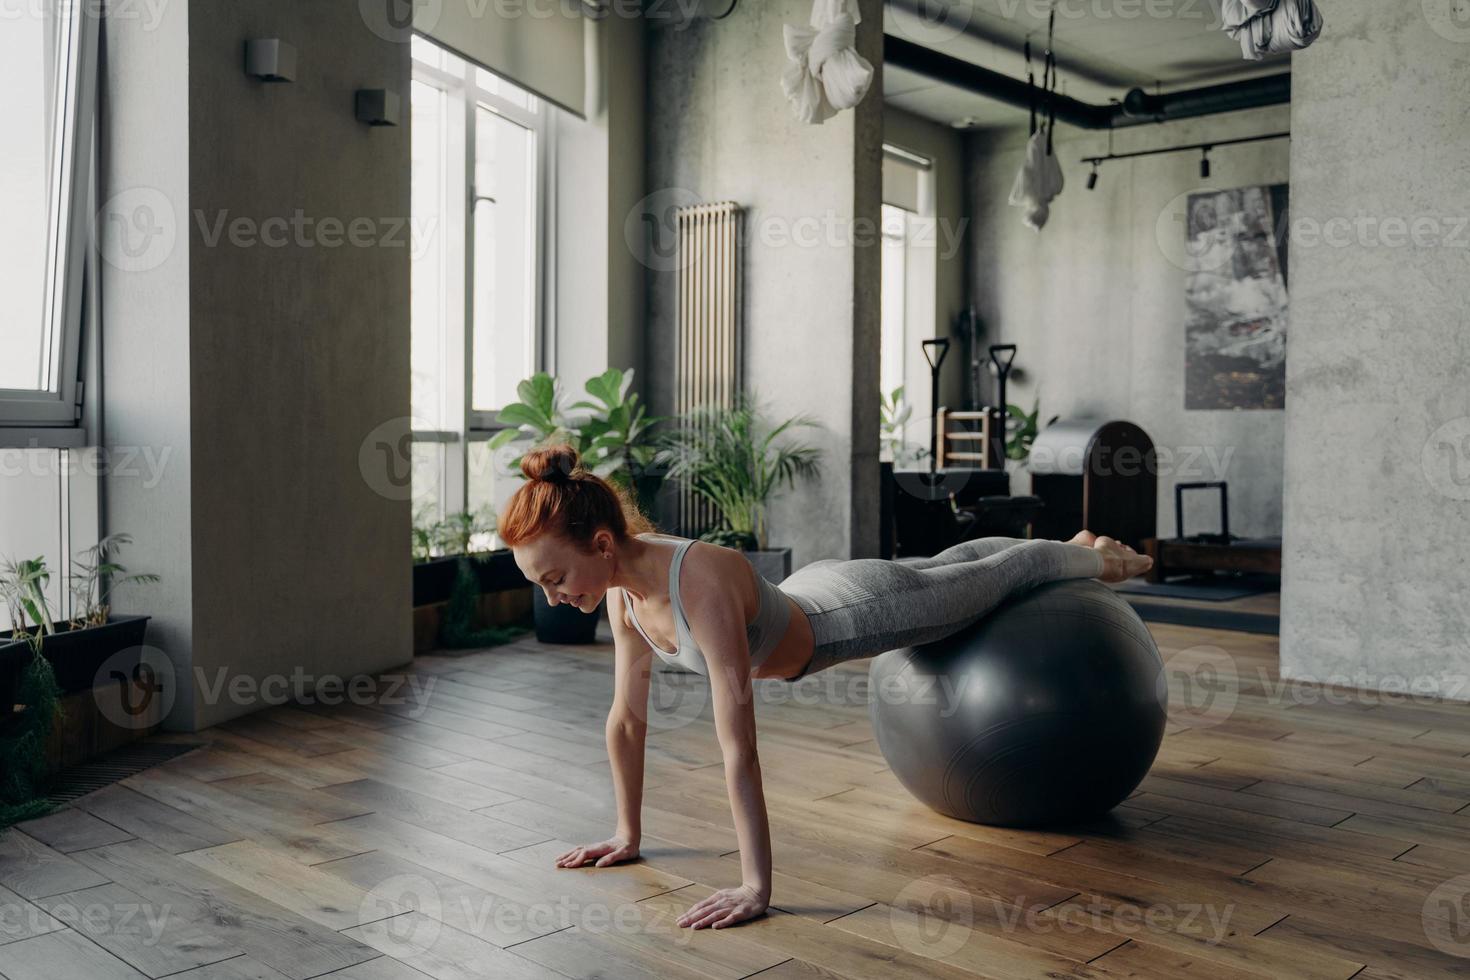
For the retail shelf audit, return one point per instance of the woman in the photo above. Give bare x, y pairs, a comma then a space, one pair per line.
704, 606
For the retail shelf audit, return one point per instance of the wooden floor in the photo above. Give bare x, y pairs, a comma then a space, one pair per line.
1277, 836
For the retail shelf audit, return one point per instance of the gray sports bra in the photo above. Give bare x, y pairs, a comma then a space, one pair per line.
763, 633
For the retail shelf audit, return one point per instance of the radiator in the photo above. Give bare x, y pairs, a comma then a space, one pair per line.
709, 350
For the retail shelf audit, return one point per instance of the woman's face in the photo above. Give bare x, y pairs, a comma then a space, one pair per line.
564, 573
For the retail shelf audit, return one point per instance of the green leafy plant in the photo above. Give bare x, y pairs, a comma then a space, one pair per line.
99, 574
23, 584
895, 412
614, 438
455, 534
24, 736
731, 457
539, 418
424, 533
457, 629
1022, 428
620, 442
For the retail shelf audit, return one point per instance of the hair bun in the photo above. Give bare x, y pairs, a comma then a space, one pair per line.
553, 464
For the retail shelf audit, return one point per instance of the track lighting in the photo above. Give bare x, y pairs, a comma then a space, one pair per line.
1204, 164
1092, 178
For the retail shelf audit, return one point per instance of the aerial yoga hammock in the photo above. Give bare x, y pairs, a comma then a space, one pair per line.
1039, 180
1271, 26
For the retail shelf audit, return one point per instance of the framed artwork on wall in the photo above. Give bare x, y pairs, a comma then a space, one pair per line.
1236, 299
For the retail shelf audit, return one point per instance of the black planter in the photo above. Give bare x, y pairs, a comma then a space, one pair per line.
75, 654
433, 580
562, 623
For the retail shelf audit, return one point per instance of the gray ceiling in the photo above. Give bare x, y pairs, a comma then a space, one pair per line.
1103, 48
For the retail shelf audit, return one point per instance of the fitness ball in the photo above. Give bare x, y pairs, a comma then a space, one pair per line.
1049, 710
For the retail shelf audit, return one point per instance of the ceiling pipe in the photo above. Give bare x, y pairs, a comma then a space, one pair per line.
1137, 108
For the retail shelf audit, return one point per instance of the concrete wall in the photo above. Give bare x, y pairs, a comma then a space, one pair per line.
720, 129
598, 309
143, 134
266, 356
1096, 300
1378, 411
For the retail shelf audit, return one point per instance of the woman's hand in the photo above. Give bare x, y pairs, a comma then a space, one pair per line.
726, 907
610, 851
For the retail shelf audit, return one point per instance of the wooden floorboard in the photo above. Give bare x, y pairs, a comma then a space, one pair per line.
1284, 831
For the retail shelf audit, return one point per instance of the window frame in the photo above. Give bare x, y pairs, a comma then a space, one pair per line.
465, 97
53, 418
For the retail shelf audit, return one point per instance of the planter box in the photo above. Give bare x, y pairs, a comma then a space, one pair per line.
774, 564
75, 654
433, 580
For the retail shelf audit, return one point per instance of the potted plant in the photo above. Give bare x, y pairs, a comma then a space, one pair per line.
731, 457
1022, 428
77, 648
895, 412
613, 439
25, 734
439, 546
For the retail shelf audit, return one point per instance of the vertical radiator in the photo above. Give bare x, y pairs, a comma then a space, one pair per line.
709, 350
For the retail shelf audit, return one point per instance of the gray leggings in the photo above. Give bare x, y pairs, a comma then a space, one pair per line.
860, 607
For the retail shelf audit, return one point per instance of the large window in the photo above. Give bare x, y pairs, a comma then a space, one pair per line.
909, 287
48, 492
48, 70
482, 148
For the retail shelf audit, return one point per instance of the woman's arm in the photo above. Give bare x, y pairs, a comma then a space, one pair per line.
717, 621
626, 733
627, 720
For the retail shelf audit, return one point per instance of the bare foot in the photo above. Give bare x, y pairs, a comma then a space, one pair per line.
1083, 537
1120, 562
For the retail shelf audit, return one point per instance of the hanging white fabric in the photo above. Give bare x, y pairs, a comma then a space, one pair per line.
824, 73
1271, 26
1039, 180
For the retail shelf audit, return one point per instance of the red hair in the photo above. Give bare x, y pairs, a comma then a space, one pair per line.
560, 496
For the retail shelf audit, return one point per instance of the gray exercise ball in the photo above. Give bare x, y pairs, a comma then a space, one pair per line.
1049, 710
